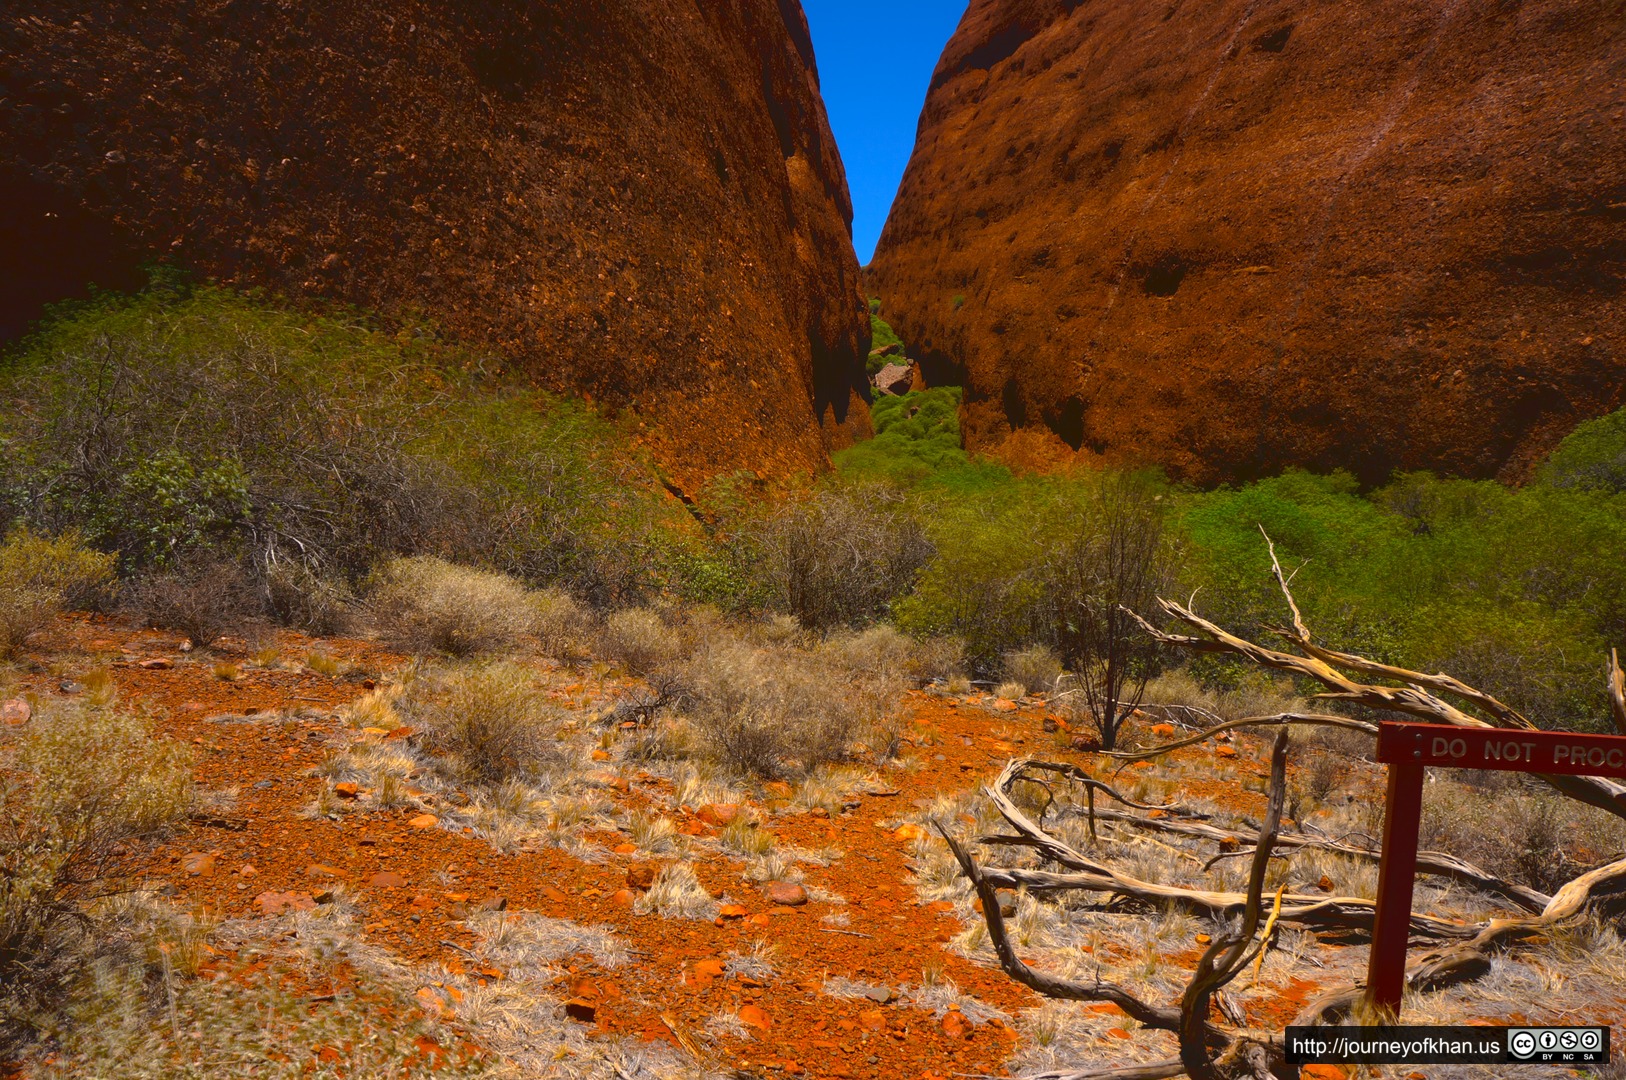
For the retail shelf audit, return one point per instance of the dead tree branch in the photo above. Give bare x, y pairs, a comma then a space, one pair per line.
1472, 959
1617, 691
1436, 863
1417, 697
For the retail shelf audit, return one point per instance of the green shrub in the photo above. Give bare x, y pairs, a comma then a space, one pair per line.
424, 604
769, 712
86, 782
1592, 457
202, 596
838, 556
484, 724
1034, 668
39, 577
185, 423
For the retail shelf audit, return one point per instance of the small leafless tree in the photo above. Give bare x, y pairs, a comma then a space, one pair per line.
1119, 560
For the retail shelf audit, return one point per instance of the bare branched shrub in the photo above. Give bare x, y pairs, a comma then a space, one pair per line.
39, 577
202, 599
485, 724
424, 604
301, 597
83, 785
1034, 668
841, 556
1118, 559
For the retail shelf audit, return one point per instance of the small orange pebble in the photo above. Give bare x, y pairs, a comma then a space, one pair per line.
910, 831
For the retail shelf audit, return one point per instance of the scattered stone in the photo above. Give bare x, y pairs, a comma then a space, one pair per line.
786, 894
323, 870
940, 907
424, 821
557, 895
626, 849
623, 897
718, 814
1118, 1033
1226, 751
893, 379
68, 686
246, 870
387, 879
347, 790
1007, 903
1203, 939
157, 663
601, 755
1325, 884
494, 903
759, 919
581, 1010
782, 910
15, 712
733, 911
819, 812
955, 1025
705, 972
881, 995
910, 831
894, 349
754, 1016
1087, 743
640, 876
198, 864
275, 903
1163, 731
874, 1019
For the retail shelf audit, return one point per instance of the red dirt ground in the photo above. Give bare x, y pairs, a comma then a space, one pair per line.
889, 939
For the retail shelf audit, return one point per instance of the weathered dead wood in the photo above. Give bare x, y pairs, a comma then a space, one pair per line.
1276, 720
1228, 953
1161, 1018
1617, 691
1435, 863
1471, 959
1091, 875
1412, 699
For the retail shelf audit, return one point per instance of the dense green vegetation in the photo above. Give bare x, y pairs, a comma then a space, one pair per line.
881, 335
184, 425
189, 429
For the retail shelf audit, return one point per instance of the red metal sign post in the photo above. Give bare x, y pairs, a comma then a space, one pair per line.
1408, 749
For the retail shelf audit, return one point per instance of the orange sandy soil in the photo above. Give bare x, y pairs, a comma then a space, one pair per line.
889, 940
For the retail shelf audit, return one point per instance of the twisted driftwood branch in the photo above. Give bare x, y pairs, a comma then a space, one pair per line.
1412, 699
1436, 863
1315, 912
1471, 959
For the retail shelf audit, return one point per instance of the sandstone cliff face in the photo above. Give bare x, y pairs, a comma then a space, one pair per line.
636, 200
1233, 236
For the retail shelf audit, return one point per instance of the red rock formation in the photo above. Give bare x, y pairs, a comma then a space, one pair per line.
631, 199
1234, 236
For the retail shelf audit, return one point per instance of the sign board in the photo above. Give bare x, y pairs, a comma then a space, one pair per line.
1510, 749
1408, 749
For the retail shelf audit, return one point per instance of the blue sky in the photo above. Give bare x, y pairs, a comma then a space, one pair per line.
875, 59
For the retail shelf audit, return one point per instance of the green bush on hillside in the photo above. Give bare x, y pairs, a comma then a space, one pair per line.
193, 423
1592, 457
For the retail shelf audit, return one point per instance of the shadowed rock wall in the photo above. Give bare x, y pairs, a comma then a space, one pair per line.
637, 200
1229, 237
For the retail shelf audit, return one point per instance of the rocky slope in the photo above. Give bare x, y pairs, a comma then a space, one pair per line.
1237, 236
627, 199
